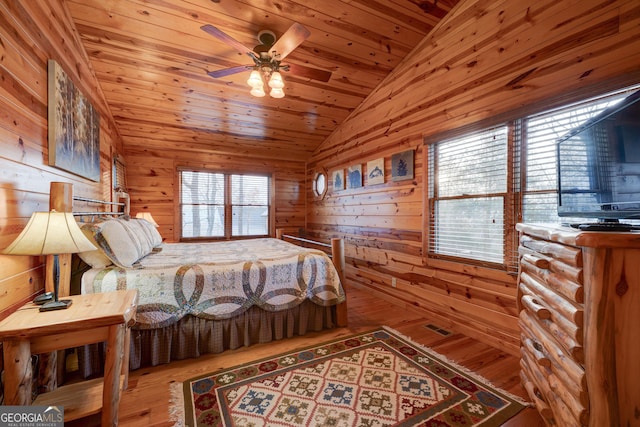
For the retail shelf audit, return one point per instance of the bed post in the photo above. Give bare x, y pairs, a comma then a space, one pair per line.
60, 199
337, 255
52, 364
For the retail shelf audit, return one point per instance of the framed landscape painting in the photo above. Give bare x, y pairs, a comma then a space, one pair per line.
74, 127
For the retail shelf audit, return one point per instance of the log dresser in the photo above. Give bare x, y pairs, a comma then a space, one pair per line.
90, 318
579, 316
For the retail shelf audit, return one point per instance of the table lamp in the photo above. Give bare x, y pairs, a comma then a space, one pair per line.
51, 233
147, 216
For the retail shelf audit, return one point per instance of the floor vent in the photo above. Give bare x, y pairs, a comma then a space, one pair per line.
438, 330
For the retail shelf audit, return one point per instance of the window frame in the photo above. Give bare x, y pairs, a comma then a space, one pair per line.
517, 164
319, 194
119, 169
228, 205
509, 197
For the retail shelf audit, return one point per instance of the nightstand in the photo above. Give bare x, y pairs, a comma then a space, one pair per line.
90, 319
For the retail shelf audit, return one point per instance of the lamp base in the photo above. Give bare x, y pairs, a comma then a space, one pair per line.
56, 305
44, 298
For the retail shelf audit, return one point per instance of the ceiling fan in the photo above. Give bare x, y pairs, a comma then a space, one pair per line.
267, 59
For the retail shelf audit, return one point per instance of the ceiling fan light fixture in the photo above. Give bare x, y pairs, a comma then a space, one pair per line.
258, 92
275, 81
255, 80
276, 92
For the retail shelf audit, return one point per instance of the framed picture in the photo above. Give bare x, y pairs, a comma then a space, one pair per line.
375, 171
402, 166
354, 176
74, 127
338, 180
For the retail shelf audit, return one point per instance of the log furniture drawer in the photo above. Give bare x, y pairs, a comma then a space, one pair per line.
579, 313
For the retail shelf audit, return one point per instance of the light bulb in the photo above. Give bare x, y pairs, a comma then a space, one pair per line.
276, 92
276, 81
258, 92
255, 79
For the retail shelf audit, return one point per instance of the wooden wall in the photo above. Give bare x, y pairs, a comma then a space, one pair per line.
152, 180
486, 59
31, 33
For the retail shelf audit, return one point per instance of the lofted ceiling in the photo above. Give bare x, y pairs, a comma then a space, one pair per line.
152, 58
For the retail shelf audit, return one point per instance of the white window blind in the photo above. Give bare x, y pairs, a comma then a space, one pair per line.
219, 205
119, 174
482, 183
202, 196
250, 200
467, 187
540, 195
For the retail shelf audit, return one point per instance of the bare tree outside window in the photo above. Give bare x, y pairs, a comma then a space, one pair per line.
215, 205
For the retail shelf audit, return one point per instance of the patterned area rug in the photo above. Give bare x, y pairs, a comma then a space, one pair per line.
379, 378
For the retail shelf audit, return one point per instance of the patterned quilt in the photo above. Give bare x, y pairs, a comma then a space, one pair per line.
219, 280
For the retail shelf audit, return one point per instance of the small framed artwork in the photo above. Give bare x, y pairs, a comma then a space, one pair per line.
375, 171
402, 166
354, 176
74, 127
338, 180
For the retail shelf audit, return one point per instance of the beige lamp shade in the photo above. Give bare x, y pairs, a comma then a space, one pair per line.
50, 233
147, 216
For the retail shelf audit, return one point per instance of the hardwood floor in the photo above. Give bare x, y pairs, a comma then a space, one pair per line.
146, 402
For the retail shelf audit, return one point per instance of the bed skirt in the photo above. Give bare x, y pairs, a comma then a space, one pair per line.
193, 336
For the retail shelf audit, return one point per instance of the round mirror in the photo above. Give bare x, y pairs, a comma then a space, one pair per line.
320, 184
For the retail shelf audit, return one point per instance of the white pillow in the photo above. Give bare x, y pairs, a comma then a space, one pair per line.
155, 239
137, 236
96, 258
121, 241
116, 242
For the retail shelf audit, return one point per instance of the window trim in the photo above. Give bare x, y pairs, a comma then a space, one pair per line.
228, 207
509, 199
516, 170
319, 195
118, 167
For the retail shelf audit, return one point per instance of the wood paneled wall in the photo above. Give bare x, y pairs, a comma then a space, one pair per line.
152, 180
31, 33
487, 59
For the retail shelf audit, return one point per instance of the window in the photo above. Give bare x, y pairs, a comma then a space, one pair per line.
220, 205
539, 202
481, 183
467, 194
119, 174
319, 185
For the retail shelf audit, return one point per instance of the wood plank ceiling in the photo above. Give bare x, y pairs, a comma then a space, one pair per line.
151, 59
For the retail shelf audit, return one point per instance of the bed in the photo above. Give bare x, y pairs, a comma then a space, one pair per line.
201, 298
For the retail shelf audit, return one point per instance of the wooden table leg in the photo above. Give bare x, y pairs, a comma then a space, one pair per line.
18, 372
112, 369
125, 358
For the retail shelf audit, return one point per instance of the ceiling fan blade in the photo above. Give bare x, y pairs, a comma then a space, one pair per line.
224, 37
228, 71
310, 73
295, 35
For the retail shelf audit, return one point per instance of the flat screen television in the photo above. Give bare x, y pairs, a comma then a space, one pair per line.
599, 168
